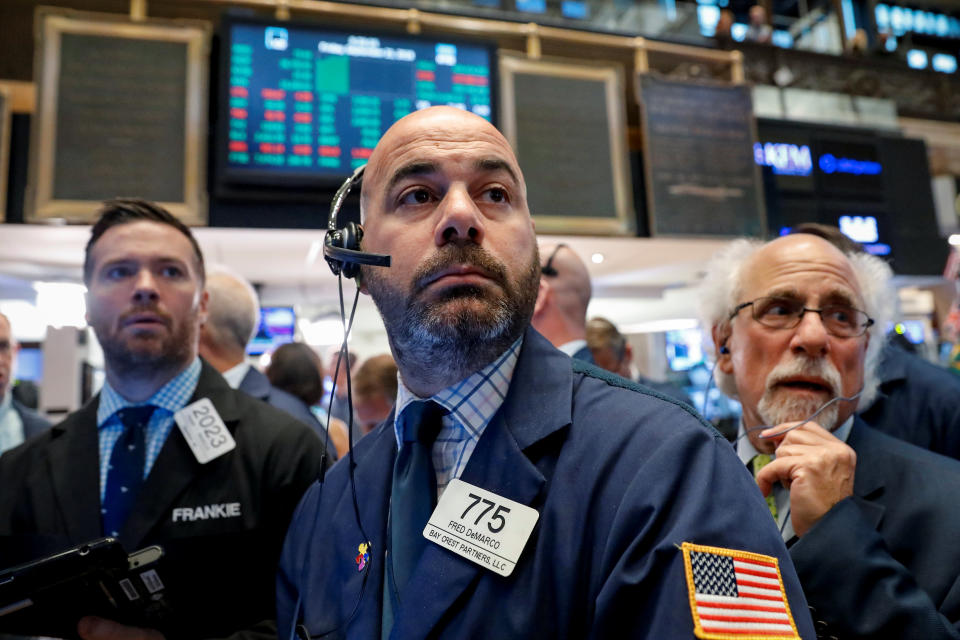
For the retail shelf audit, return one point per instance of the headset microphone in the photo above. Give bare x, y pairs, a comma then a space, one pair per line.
341, 246
341, 250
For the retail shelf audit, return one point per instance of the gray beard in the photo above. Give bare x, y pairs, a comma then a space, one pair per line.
776, 411
779, 405
451, 338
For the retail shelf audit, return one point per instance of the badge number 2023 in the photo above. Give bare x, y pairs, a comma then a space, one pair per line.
212, 429
497, 517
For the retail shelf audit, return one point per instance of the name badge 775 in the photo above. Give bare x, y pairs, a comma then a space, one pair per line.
481, 526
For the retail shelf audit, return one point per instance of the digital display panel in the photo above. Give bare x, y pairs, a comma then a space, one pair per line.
309, 104
277, 326
849, 168
684, 349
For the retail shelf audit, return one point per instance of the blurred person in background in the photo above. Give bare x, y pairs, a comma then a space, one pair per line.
612, 351
560, 314
759, 29
17, 422
233, 313
339, 409
297, 369
722, 33
374, 391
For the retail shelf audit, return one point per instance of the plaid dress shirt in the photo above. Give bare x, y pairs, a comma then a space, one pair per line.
471, 403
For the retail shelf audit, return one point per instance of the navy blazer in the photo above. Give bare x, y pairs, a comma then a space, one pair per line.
258, 385
620, 476
918, 402
885, 563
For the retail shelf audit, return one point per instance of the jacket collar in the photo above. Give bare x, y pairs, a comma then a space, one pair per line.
255, 384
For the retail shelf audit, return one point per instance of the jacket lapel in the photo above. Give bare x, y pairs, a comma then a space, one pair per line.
868, 483
373, 476
74, 470
538, 404
176, 466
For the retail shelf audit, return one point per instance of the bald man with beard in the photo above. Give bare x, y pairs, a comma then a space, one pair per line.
567, 502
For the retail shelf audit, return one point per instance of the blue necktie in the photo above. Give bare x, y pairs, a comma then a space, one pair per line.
125, 471
412, 497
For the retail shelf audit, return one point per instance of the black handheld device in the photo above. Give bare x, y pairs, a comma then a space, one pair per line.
47, 596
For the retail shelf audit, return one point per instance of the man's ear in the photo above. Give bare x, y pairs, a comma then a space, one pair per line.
543, 293
202, 307
721, 338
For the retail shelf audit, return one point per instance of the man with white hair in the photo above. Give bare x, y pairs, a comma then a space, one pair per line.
868, 519
17, 422
233, 313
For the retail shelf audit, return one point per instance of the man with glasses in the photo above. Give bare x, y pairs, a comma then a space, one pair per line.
797, 326
17, 422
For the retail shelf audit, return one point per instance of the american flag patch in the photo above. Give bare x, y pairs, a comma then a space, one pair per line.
736, 594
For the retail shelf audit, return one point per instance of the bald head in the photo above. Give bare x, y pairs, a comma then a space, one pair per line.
233, 316
565, 290
441, 131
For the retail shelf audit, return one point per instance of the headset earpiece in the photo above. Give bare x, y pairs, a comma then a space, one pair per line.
724, 350
341, 245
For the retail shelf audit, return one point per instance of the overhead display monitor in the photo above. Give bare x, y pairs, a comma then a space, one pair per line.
303, 105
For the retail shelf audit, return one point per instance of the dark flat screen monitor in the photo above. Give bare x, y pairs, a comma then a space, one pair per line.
277, 326
302, 105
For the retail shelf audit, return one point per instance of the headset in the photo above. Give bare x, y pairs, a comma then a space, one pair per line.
341, 250
341, 246
548, 269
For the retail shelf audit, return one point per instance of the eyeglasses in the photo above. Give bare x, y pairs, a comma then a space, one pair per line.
840, 320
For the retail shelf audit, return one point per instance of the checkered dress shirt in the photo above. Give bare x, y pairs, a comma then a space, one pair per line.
169, 399
471, 403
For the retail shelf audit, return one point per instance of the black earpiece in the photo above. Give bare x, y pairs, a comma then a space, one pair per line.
341, 245
548, 269
724, 350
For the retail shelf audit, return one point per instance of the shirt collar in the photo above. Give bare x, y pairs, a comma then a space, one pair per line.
172, 396
471, 402
235, 375
7, 400
746, 451
570, 348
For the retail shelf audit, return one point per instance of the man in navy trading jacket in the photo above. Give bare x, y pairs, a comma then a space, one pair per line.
571, 503
870, 520
121, 466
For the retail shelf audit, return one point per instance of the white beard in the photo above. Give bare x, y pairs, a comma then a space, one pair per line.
779, 405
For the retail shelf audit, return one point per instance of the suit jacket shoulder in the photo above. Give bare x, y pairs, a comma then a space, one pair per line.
33, 423
258, 385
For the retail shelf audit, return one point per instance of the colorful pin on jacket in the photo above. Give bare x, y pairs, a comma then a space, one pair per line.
363, 557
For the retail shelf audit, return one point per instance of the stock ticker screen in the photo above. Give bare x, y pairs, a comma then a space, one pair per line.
310, 103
